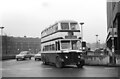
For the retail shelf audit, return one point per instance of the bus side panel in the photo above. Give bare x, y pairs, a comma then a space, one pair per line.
72, 58
49, 57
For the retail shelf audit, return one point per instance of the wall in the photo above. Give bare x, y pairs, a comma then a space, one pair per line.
13, 45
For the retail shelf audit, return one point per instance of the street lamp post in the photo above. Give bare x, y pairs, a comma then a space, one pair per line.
99, 44
1, 30
18, 50
96, 41
81, 34
1, 43
113, 47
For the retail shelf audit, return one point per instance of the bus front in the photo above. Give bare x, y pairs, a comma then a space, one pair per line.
71, 52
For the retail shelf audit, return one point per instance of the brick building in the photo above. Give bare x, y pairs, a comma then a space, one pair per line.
13, 45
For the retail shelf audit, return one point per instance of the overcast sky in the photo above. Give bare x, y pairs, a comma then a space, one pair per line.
30, 17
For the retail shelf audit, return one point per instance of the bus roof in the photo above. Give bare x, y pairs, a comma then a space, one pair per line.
68, 39
67, 21
64, 21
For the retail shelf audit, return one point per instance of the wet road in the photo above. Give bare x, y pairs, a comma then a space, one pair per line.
31, 68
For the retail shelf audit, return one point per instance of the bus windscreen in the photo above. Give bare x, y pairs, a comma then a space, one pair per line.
67, 44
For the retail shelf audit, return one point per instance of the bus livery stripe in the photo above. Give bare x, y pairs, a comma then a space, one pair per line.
61, 31
52, 40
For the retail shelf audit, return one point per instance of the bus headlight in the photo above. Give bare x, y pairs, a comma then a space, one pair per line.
66, 57
78, 56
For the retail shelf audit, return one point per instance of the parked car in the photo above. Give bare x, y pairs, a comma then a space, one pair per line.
37, 56
23, 55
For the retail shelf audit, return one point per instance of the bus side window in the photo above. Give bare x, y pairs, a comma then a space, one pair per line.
57, 44
54, 46
50, 47
43, 48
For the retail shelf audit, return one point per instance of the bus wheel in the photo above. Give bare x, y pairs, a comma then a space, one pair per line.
44, 62
58, 62
81, 64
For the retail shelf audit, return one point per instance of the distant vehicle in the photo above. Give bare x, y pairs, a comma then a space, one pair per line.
61, 43
23, 55
37, 56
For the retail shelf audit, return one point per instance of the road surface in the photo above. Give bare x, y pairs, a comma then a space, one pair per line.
31, 68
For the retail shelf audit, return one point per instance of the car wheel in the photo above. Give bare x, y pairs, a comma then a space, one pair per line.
39, 59
17, 59
30, 58
23, 59
35, 59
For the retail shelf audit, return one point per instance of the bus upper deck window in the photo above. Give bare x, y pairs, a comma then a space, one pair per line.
73, 26
64, 26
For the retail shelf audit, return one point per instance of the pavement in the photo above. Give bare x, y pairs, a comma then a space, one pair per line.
106, 65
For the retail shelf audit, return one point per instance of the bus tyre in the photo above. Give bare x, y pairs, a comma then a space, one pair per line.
44, 61
81, 64
58, 62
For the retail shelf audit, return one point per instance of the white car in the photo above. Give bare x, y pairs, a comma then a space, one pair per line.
37, 56
23, 55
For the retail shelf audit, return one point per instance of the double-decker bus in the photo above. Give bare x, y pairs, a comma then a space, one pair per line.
61, 44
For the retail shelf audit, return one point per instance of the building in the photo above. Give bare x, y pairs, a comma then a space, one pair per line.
113, 21
13, 45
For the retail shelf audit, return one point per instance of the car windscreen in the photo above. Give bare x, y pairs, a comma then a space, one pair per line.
24, 52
